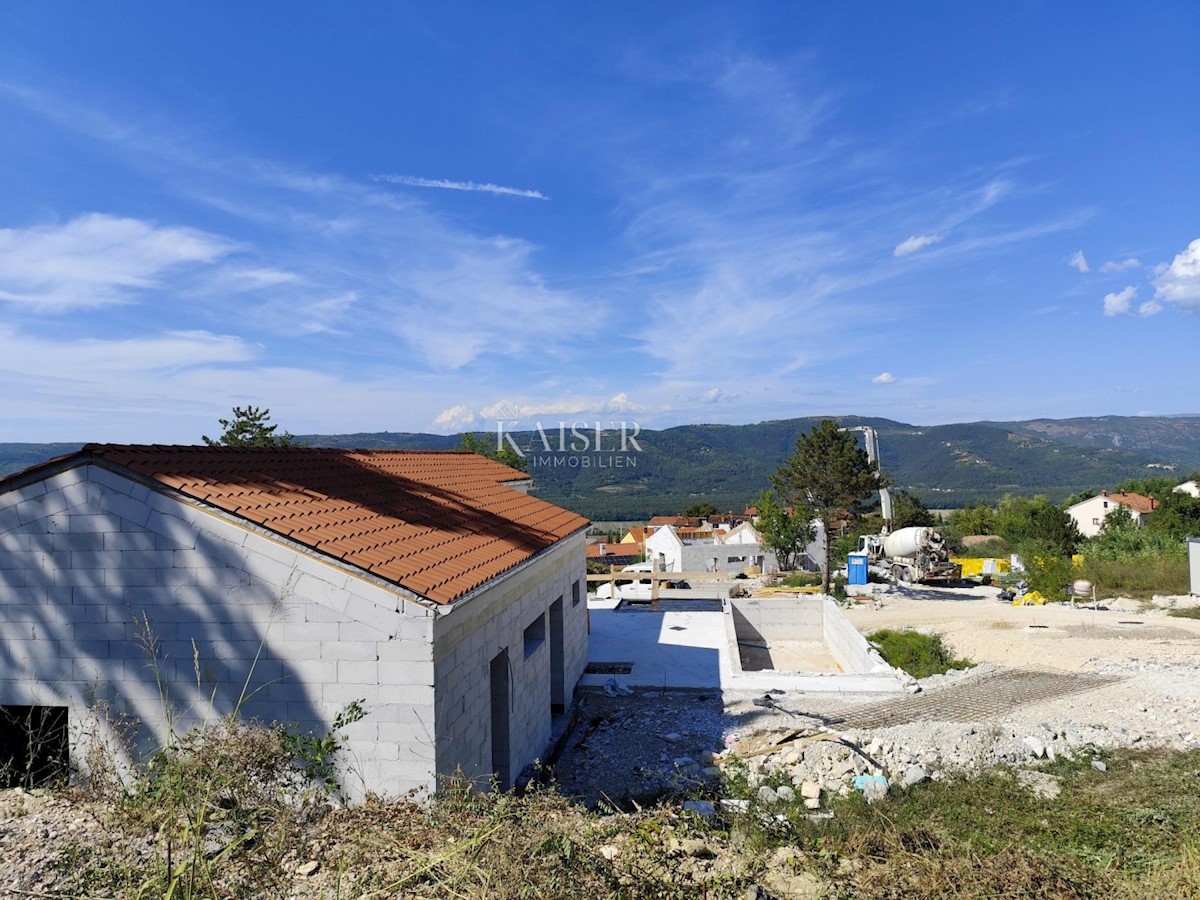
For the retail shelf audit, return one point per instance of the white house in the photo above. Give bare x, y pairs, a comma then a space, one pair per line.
1188, 487
1089, 514
169, 585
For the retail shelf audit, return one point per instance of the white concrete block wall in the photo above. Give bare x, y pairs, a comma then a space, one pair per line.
470, 634
108, 588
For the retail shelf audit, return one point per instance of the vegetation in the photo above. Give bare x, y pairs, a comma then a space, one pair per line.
485, 446
829, 474
249, 428
785, 531
700, 510
1127, 832
918, 654
1190, 612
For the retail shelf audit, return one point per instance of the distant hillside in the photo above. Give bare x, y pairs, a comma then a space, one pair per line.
728, 465
1172, 440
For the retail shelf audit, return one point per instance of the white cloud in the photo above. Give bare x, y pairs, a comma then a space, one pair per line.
1179, 283
95, 260
446, 184
884, 378
454, 419
1150, 308
915, 243
1120, 265
1120, 303
1079, 261
90, 358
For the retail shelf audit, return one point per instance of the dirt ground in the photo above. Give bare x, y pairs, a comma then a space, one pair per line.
981, 628
642, 746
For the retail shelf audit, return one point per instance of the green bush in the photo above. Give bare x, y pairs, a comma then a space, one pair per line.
920, 655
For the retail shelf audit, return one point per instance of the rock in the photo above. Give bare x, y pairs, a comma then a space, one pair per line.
874, 790
696, 848
785, 793
703, 808
308, 869
682, 762
610, 852
711, 772
812, 802
766, 794
671, 738
735, 805
1099, 765
915, 775
1042, 785
1036, 748
810, 789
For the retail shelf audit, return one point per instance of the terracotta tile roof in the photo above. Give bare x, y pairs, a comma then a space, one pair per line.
1136, 502
439, 523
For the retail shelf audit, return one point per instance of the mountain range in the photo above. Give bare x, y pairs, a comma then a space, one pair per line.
729, 465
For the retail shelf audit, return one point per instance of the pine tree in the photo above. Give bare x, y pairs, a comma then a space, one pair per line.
831, 475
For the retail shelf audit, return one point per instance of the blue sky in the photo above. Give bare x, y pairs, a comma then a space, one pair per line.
383, 216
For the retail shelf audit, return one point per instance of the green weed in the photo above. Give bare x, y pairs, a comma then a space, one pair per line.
920, 655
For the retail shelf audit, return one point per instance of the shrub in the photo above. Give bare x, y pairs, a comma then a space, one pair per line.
920, 655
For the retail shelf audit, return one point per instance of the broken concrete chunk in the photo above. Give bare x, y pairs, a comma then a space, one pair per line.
810, 789
766, 794
1036, 748
915, 775
1099, 765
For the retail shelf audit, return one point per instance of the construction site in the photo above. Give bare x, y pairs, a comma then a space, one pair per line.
676, 687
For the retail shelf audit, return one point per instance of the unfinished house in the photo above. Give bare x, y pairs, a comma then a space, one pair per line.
170, 585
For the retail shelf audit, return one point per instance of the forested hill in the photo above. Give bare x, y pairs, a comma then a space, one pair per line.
728, 465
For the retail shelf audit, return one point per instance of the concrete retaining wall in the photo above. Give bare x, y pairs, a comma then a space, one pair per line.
809, 617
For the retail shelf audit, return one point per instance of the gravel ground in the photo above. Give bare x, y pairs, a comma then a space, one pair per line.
1130, 676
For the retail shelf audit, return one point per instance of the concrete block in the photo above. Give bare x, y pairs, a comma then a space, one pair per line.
132, 577
358, 672
396, 674
92, 523
346, 650
128, 540
75, 541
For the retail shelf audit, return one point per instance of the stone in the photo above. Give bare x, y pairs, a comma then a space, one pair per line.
1099, 766
915, 775
308, 869
766, 794
785, 793
703, 808
810, 789
735, 805
610, 852
874, 790
812, 802
1036, 748
671, 738
696, 848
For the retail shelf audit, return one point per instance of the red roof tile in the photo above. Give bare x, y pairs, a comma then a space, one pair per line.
435, 522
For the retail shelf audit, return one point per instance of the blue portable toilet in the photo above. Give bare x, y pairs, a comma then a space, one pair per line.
856, 568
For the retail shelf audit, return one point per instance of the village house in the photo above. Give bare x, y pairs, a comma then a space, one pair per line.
167, 585
1089, 514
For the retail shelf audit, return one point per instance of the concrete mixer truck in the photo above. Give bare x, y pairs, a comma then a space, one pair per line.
914, 554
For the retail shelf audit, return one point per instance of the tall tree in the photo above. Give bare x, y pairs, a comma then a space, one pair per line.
831, 475
476, 443
786, 532
249, 428
700, 510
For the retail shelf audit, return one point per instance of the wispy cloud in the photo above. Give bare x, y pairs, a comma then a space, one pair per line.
1078, 262
1120, 265
915, 243
446, 184
884, 378
96, 260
